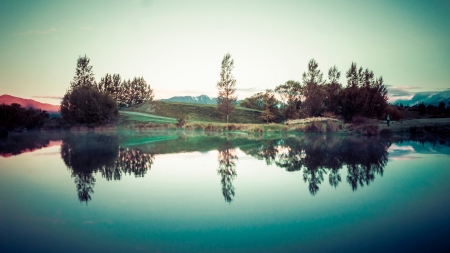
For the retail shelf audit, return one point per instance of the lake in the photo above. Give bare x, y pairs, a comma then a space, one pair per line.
198, 192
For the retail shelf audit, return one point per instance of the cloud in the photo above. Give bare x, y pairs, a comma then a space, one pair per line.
52, 97
406, 92
39, 32
252, 89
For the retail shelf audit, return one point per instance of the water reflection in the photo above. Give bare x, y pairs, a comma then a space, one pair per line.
355, 161
17, 144
318, 156
227, 169
86, 155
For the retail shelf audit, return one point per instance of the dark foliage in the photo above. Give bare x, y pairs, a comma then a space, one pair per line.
87, 105
15, 116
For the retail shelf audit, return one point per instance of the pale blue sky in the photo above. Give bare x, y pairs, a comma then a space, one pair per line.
177, 46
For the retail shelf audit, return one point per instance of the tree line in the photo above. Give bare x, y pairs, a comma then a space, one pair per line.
364, 95
87, 102
15, 116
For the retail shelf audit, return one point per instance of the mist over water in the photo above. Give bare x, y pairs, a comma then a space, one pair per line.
197, 192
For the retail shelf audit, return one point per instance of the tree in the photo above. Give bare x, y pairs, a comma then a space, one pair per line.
291, 93
111, 84
226, 100
254, 102
313, 90
87, 105
270, 106
332, 90
126, 92
364, 95
84, 76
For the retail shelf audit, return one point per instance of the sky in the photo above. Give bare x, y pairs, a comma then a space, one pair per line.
178, 46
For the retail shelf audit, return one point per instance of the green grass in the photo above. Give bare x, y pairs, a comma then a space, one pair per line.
195, 112
144, 117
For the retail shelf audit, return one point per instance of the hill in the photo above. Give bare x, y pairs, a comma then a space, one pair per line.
27, 103
196, 112
202, 99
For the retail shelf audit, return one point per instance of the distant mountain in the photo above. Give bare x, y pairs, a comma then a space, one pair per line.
8, 100
202, 99
426, 98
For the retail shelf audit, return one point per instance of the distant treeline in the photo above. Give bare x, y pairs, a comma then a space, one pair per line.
423, 109
364, 95
15, 116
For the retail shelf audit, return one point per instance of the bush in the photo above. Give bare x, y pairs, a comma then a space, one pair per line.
358, 120
331, 127
87, 105
367, 129
181, 123
210, 127
314, 127
393, 112
329, 115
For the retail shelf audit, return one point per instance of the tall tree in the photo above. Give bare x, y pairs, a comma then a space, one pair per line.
226, 100
84, 76
332, 90
364, 95
313, 89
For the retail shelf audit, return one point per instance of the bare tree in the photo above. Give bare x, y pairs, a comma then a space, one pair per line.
226, 100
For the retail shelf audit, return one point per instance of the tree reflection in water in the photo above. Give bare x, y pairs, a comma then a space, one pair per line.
227, 170
319, 155
85, 155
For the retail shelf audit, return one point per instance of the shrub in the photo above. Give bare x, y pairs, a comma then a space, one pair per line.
314, 127
87, 105
394, 113
329, 115
231, 127
210, 127
358, 120
367, 129
331, 127
181, 123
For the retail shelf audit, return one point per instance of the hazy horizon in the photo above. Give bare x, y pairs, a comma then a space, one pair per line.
177, 46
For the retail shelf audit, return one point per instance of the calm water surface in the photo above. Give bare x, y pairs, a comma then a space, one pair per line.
192, 192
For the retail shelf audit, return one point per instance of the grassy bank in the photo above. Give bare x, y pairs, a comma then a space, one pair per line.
196, 112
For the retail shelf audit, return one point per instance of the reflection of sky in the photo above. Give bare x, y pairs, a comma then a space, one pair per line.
413, 150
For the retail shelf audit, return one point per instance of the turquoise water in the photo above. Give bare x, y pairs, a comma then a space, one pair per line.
192, 192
